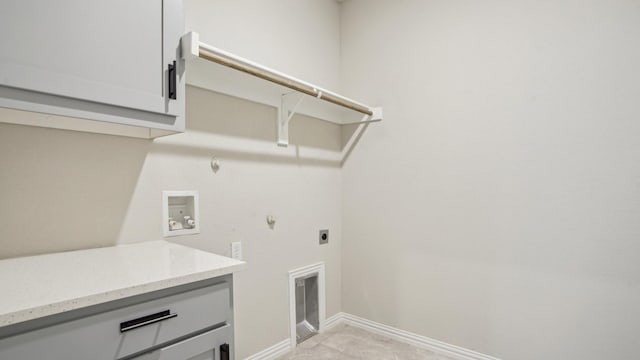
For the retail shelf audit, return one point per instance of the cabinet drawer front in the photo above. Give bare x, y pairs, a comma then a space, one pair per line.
203, 346
195, 311
100, 336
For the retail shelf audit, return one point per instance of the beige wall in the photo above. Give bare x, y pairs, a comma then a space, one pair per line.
298, 37
299, 185
65, 190
497, 205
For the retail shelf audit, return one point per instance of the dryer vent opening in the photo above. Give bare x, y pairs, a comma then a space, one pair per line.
306, 302
307, 307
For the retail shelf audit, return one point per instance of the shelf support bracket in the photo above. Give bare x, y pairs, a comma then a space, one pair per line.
288, 105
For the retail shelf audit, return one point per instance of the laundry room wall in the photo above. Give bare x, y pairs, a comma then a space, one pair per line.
496, 207
67, 190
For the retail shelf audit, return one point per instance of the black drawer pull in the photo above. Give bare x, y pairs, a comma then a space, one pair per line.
172, 74
146, 320
224, 352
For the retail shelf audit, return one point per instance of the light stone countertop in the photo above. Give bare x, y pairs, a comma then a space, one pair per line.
37, 286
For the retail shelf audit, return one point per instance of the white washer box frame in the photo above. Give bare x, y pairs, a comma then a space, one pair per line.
165, 212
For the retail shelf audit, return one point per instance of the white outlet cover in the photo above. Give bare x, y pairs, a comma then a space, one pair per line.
236, 250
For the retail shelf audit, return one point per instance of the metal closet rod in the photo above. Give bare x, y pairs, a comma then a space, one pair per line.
240, 64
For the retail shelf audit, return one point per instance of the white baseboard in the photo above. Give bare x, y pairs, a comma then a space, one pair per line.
439, 347
272, 352
333, 321
424, 342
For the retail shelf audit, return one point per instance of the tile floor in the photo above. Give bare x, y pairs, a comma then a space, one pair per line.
345, 342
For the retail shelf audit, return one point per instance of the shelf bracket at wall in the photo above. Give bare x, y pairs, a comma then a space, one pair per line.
288, 106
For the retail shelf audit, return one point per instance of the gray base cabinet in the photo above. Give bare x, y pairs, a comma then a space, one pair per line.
108, 61
184, 323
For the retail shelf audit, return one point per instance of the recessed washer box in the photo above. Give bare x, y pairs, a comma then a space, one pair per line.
180, 213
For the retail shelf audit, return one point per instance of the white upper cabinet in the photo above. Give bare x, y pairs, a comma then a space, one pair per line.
106, 61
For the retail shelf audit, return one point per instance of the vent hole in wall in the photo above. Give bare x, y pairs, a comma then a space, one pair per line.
306, 302
307, 307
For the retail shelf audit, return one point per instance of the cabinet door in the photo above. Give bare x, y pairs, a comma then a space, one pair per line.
109, 52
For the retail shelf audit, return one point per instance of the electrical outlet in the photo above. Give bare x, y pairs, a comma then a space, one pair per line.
324, 237
236, 250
